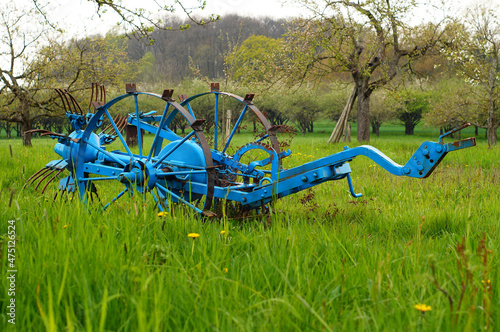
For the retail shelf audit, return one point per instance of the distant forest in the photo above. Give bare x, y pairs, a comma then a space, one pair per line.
204, 45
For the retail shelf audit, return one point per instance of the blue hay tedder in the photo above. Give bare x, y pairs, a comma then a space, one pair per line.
187, 170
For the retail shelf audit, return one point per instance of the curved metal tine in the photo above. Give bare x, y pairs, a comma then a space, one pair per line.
46, 175
67, 101
75, 103
61, 93
91, 98
109, 127
118, 124
55, 196
37, 172
39, 175
103, 93
117, 120
51, 179
124, 123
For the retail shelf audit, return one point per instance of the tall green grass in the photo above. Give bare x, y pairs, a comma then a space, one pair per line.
324, 261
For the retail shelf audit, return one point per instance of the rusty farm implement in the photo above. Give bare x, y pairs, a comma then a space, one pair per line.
186, 169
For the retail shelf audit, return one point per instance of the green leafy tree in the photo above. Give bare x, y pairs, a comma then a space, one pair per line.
33, 64
303, 108
475, 56
410, 105
253, 54
369, 40
380, 111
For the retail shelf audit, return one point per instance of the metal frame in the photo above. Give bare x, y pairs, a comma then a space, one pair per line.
187, 171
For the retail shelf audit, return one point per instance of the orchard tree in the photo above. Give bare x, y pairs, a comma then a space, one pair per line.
370, 40
409, 106
476, 58
253, 54
302, 105
381, 111
32, 64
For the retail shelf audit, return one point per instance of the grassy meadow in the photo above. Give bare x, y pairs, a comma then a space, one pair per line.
324, 261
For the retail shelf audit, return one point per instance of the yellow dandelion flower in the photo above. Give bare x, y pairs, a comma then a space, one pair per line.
486, 281
223, 232
225, 270
162, 214
422, 307
193, 235
65, 226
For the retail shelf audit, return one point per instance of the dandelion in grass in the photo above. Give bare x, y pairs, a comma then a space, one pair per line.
193, 236
225, 270
65, 226
423, 308
223, 232
487, 284
162, 214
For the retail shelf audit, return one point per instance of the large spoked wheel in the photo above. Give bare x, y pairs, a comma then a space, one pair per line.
222, 145
172, 169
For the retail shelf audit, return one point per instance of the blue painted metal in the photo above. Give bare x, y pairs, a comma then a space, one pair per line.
186, 170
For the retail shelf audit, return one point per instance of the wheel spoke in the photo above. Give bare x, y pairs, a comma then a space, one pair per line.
174, 148
157, 135
139, 133
114, 199
162, 174
235, 128
105, 152
157, 202
189, 108
216, 119
159, 186
118, 133
99, 178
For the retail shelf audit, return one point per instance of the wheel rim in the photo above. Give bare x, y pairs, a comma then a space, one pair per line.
155, 171
248, 105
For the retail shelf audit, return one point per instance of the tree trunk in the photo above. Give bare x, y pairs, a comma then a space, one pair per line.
363, 115
376, 128
492, 136
492, 126
8, 129
25, 126
409, 127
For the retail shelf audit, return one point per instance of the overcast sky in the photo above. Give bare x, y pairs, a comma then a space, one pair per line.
79, 17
